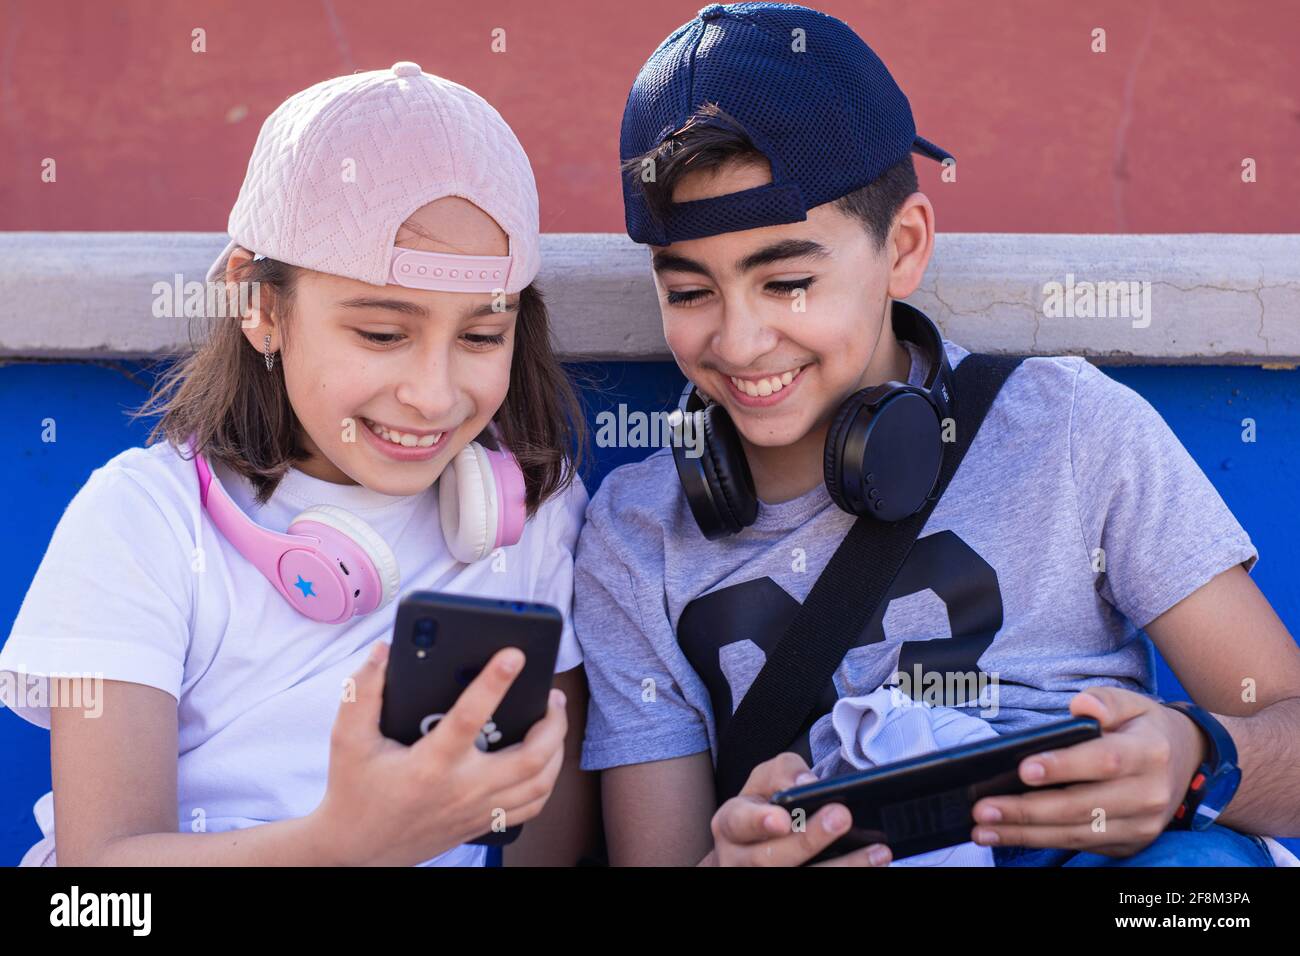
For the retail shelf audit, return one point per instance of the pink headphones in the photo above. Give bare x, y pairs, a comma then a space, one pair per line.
332, 566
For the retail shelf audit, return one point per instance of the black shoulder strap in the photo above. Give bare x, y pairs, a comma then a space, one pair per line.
776, 707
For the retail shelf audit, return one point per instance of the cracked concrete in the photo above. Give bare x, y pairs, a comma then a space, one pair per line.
1215, 298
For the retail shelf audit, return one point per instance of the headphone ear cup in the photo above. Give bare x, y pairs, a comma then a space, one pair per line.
727, 470
511, 494
832, 455
883, 453
468, 509
693, 477
359, 558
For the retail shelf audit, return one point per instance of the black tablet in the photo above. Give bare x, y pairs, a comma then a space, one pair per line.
924, 803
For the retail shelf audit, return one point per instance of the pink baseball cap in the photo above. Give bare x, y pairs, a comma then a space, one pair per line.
338, 167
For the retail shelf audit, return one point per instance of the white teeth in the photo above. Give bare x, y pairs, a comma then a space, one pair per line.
405, 440
765, 386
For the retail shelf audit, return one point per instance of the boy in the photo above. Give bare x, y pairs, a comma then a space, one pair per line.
767, 164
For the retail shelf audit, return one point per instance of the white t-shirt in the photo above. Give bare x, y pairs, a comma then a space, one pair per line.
139, 585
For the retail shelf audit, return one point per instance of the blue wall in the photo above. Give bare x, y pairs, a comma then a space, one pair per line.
1204, 406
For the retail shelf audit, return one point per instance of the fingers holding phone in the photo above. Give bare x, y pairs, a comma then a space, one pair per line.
381, 807
461, 728
750, 831
357, 725
523, 775
451, 735
515, 780
483, 667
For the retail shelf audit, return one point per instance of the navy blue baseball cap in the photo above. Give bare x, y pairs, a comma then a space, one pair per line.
828, 117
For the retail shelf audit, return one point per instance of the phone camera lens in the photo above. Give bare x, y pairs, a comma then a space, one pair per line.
425, 628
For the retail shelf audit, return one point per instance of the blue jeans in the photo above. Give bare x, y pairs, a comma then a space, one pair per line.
1214, 846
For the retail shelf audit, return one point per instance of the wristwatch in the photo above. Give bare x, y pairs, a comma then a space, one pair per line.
1216, 780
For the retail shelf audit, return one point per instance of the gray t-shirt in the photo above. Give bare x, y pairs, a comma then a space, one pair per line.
1075, 519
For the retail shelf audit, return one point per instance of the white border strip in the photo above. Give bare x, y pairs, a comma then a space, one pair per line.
1214, 298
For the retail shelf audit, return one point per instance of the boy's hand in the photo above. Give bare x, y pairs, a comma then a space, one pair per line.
1129, 781
749, 831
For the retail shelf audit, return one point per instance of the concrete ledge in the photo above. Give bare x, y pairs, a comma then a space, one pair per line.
1213, 298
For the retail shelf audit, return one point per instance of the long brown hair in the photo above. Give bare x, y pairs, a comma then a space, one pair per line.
240, 415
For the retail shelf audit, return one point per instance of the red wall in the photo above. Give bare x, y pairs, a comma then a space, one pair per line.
1050, 137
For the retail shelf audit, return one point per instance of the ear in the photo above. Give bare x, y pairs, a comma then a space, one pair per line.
260, 320
910, 245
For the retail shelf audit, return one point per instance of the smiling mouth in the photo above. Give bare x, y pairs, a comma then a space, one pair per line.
405, 439
762, 387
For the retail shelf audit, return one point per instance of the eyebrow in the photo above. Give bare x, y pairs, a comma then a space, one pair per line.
776, 252
418, 311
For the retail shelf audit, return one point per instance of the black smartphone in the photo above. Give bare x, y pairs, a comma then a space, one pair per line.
440, 644
924, 803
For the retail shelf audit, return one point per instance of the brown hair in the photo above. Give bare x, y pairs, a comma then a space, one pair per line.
240, 415
711, 138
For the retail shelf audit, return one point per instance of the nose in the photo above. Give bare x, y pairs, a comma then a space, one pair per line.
742, 337
427, 386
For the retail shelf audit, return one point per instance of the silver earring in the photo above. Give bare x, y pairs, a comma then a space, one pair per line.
270, 356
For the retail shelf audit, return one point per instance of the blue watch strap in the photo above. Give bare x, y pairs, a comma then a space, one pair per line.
1218, 772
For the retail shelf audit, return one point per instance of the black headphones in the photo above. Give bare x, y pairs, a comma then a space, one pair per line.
883, 449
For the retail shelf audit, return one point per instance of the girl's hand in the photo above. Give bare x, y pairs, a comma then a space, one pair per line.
750, 831
393, 805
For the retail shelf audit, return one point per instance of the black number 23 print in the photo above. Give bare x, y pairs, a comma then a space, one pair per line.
714, 629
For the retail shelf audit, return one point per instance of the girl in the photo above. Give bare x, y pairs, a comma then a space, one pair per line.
203, 708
